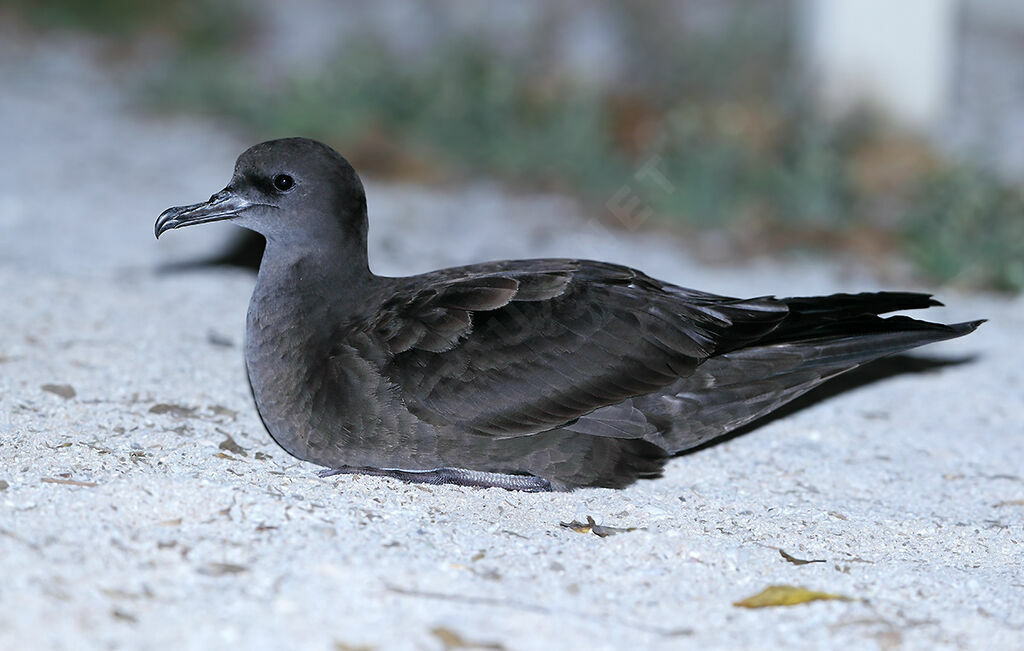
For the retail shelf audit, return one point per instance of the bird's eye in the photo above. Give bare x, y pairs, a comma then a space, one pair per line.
283, 182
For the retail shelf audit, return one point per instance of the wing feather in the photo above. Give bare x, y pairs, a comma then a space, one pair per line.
513, 350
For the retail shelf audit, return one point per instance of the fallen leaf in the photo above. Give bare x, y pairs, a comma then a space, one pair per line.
579, 527
451, 640
220, 410
123, 616
604, 531
597, 529
65, 391
786, 595
68, 482
799, 561
1010, 503
221, 569
178, 411
230, 445
345, 646
117, 593
217, 339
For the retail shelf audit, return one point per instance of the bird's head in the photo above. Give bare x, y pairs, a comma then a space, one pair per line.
293, 190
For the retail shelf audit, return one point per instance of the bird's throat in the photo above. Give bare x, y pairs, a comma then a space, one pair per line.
299, 289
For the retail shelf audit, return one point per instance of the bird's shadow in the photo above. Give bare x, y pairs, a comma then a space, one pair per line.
244, 251
865, 375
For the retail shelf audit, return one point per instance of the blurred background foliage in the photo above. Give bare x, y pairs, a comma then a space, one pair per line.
720, 112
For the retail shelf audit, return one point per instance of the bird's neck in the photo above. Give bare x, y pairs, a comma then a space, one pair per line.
302, 296
299, 287
288, 268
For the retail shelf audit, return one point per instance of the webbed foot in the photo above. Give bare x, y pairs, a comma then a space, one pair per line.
458, 476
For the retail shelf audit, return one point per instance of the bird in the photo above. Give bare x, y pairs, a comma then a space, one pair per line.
528, 375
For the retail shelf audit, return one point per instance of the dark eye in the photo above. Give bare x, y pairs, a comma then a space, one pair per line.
283, 182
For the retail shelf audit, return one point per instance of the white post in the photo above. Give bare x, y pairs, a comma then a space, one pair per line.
891, 55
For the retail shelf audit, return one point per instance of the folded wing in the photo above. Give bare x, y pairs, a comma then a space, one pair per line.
512, 351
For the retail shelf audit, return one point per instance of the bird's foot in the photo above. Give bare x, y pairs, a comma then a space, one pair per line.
458, 476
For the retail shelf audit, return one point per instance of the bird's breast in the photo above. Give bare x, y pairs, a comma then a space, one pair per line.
319, 393
286, 359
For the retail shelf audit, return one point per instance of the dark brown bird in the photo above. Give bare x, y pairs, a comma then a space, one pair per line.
527, 375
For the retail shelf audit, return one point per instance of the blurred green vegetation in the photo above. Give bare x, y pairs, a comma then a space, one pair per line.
720, 116
110, 17
965, 225
197, 25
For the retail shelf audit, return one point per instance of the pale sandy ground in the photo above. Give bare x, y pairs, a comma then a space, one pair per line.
910, 488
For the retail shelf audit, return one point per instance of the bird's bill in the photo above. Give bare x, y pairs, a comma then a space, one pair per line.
223, 205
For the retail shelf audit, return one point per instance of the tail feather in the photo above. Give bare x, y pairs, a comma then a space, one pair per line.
737, 387
844, 305
856, 314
